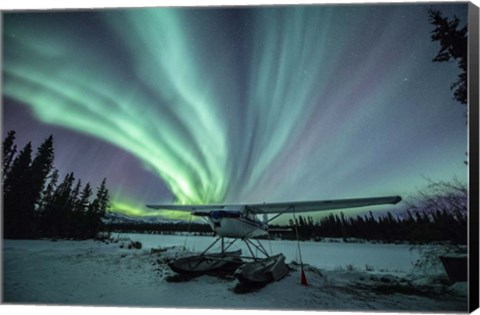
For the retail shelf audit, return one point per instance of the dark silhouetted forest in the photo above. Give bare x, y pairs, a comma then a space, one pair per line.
418, 227
36, 204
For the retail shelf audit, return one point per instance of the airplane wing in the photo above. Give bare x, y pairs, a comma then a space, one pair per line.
300, 206
321, 205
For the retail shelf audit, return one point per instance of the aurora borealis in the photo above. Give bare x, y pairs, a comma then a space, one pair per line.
234, 105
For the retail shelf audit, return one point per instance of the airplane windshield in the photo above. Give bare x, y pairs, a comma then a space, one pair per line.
250, 216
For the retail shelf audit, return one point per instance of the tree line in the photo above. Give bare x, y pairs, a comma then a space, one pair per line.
161, 228
36, 204
418, 227
438, 214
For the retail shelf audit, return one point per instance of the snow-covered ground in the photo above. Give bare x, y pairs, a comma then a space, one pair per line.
341, 276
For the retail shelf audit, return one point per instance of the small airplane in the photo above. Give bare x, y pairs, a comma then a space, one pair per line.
241, 222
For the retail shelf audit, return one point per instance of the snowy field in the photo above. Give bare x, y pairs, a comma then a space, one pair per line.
341, 276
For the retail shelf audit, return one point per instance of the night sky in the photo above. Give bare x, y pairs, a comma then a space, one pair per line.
252, 104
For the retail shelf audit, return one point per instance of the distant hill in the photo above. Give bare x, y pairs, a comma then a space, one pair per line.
119, 222
119, 218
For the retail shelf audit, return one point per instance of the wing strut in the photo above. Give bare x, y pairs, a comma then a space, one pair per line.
280, 213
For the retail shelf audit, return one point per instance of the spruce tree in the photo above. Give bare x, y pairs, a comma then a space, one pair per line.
41, 166
70, 216
9, 150
85, 208
453, 46
103, 198
56, 216
47, 194
46, 203
97, 210
84, 200
18, 215
83, 211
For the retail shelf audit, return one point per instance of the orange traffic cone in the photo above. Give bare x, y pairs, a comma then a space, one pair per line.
304, 279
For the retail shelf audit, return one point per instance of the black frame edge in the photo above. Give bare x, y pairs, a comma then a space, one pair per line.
473, 84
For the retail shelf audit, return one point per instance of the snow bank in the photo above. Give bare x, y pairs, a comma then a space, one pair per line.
94, 273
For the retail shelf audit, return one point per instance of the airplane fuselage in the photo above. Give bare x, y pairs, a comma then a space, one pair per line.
238, 224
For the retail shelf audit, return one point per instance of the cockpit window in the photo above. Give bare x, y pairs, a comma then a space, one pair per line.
251, 216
